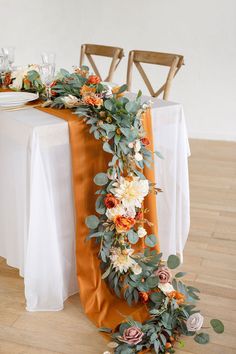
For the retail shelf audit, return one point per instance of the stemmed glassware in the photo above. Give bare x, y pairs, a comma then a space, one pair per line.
4, 68
48, 58
47, 71
9, 52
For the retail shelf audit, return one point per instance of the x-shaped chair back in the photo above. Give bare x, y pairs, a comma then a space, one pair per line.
173, 61
115, 53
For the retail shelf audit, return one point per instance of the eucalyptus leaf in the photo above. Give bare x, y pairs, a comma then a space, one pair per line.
180, 274
92, 221
217, 325
202, 338
133, 237
173, 261
107, 148
101, 179
151, 240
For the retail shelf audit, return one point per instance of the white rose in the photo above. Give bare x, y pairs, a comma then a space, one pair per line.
106, 352
194, 322
166, 288
137, 146
112, 212
70, 101
131, 145
138, 156
136, 269
141, 232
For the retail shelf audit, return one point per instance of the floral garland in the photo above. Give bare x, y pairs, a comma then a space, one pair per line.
120, 220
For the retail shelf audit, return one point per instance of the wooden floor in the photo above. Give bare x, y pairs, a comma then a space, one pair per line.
209, 258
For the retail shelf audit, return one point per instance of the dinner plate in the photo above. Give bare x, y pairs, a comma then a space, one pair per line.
14, 99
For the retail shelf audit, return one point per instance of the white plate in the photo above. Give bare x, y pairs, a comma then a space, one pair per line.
14, 99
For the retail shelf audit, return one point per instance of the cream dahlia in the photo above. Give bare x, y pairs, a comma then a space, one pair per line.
121, 259
131, 192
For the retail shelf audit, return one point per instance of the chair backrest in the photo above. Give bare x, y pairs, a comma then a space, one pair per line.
115, 53
173, 61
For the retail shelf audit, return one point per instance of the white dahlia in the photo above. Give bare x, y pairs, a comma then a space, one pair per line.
121, 259
131, 192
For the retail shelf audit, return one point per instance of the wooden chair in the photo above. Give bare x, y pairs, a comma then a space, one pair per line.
115, 53
173, 61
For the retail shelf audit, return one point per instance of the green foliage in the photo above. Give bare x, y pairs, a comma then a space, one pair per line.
173, 262
151, 240
101, 179
217, 325
92, 221
202, 338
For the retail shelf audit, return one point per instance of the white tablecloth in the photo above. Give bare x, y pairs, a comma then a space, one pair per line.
36, 200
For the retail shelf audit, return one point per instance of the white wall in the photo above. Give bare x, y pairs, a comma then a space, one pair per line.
203, 30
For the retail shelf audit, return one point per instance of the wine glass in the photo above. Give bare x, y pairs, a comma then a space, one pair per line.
4, 68
48, 58
47, 72
9, 52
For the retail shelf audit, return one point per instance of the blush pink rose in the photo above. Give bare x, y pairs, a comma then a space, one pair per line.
164, 275
132, 335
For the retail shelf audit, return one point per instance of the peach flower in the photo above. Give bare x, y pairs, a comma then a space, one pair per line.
92, 100
87, 89
177, 296
123, 224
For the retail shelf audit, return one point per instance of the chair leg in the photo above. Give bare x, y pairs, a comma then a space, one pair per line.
129, 70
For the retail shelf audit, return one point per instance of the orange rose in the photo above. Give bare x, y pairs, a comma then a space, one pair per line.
110, 201
92, 100
145, 141
144, 296
123, 223
177, 296
7, 79
87, 89
94, 79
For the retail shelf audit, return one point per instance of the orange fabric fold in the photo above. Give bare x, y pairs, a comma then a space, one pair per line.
88, 158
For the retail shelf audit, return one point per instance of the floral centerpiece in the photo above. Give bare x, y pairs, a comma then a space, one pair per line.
120, 221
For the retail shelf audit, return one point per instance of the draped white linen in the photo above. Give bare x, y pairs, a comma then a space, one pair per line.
36, 201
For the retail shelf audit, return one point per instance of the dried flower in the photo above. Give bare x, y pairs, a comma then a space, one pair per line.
70, 101
144, 296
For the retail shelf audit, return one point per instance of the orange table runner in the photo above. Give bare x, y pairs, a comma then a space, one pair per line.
88, 158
